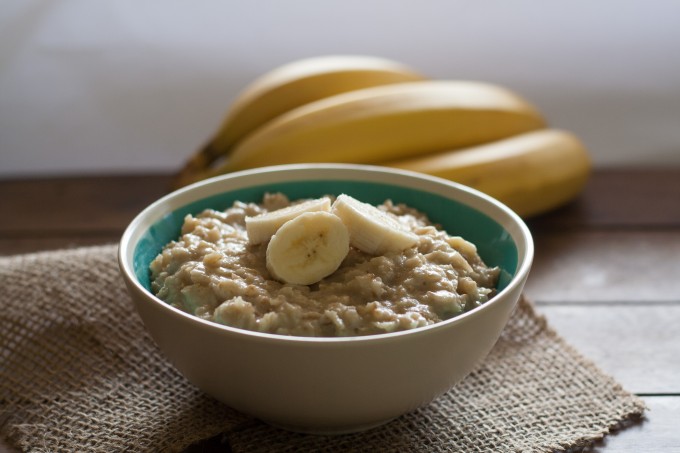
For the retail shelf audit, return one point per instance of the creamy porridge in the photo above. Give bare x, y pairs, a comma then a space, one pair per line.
215, 272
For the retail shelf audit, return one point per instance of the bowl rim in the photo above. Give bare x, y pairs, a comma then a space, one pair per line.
126, 248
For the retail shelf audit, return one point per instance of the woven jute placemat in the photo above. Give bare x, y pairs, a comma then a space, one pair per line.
78, 372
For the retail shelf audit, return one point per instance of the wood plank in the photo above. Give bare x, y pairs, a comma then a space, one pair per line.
606, 266
621, 198
637, 344
86, 203
657, 431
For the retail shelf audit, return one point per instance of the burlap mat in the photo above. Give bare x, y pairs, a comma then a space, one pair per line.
79, 373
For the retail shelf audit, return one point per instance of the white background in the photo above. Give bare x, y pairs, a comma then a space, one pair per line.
101, 87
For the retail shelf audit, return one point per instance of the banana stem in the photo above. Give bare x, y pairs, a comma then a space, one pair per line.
198, 167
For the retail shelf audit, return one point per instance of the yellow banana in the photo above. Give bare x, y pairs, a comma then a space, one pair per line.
531, 173
386, 123
291, 86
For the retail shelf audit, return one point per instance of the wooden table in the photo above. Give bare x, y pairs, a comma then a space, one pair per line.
606, 273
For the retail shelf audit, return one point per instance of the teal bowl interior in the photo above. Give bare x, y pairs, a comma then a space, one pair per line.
494, 244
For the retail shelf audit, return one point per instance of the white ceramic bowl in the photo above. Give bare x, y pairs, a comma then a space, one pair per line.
330, 385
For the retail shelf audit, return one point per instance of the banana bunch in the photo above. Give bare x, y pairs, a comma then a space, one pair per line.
375, 111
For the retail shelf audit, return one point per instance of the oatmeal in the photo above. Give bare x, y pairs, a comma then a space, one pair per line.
213, 271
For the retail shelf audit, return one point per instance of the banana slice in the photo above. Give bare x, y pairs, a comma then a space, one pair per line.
370, 229
262, 227
307, 248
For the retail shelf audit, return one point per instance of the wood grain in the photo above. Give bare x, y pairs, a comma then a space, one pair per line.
656, 432
612, 199
621, 198
606, 266
637, 344
76, 205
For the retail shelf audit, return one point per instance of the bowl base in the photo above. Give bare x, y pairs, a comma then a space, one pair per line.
327, 430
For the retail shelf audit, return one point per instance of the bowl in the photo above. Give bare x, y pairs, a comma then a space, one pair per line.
329, 385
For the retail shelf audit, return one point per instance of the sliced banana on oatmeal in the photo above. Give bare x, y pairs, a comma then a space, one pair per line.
307, 248
262, 227
370, 229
